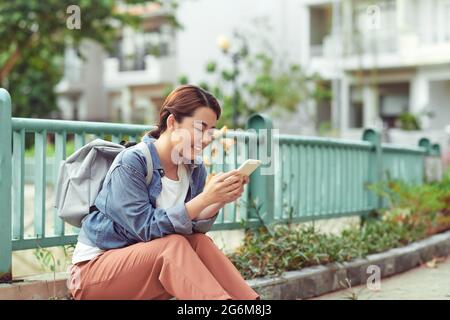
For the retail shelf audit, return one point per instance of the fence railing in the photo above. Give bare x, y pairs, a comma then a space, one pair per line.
312, 178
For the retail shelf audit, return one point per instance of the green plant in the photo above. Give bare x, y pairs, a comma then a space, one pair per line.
34, 38
414, 212
421, 206
49, 262
408, 121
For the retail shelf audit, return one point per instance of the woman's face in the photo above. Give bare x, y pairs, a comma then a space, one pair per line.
193, 134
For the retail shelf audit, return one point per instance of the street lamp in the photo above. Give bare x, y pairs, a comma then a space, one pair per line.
224, 44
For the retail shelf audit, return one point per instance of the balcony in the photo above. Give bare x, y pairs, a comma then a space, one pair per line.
150, 70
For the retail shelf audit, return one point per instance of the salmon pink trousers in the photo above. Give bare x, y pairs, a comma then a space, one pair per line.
187, 267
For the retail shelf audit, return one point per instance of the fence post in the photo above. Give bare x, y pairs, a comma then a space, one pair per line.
375, 164
5, 187
261, 186
432, 164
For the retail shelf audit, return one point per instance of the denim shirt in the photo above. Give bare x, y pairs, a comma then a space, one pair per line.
127, 212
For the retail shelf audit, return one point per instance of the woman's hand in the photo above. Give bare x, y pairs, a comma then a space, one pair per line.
239, 190
223, 188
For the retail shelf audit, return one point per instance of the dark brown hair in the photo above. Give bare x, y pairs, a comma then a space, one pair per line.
182, 102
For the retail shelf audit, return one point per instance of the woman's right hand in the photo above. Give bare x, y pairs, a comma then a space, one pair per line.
223, 187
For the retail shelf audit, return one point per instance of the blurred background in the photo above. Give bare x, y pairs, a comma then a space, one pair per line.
318, 67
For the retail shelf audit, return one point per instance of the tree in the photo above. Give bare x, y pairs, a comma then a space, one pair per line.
34, 35
257, 80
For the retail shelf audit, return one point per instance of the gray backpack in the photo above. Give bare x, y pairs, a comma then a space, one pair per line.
81, 177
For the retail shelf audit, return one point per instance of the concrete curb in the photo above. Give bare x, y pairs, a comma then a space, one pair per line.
41, 287
300, 284
318, 280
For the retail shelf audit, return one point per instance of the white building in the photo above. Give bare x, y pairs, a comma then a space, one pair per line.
127, 85
380, 60
383, 60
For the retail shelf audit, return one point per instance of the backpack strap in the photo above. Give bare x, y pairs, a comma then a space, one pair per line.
148, 159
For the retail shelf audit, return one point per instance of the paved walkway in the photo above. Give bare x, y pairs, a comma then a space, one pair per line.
431, 282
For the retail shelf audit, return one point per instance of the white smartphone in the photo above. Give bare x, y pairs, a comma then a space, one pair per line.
249, 166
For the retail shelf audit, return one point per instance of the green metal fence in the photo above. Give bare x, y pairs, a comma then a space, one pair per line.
313, 178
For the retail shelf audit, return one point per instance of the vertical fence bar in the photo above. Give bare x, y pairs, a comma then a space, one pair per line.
327, 180
288, 158
360, 181
115, 138
5, 187
234, 166
229, 159
317, 180
284, 194
345, 179
332, 180
40, 142
18, 170
60, 155
221, 156
244, 207
296, 182
352, 176
303, 181
309, 166
375, 164
80, 140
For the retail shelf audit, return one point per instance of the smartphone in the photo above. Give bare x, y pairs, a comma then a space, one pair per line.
249, 166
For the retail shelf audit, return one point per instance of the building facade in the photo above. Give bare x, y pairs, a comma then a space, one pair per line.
127, 84
383, 60
387, 63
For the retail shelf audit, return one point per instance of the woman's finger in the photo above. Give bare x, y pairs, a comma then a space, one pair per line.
232, 187
231, 180
228, 174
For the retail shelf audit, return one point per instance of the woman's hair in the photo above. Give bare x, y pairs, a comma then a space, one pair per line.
182, 102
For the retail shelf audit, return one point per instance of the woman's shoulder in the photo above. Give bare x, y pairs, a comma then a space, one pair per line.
134, 158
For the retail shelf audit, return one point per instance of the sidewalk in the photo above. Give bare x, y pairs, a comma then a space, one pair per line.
431, 282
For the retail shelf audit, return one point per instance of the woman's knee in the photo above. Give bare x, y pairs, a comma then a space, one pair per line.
198, 237
176, 240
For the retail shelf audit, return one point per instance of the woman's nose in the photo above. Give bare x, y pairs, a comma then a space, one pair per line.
206, 140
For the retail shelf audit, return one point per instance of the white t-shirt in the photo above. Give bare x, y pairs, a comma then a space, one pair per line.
173, 192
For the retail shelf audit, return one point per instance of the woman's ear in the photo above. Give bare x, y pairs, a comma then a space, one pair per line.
170, 122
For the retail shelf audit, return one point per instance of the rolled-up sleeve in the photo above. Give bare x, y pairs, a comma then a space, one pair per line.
179, 218
128, 203
203, 225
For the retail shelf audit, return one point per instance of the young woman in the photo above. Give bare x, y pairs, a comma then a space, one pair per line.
148, 241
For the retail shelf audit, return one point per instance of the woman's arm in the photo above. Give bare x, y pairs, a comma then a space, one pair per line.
210, 211
207, 217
